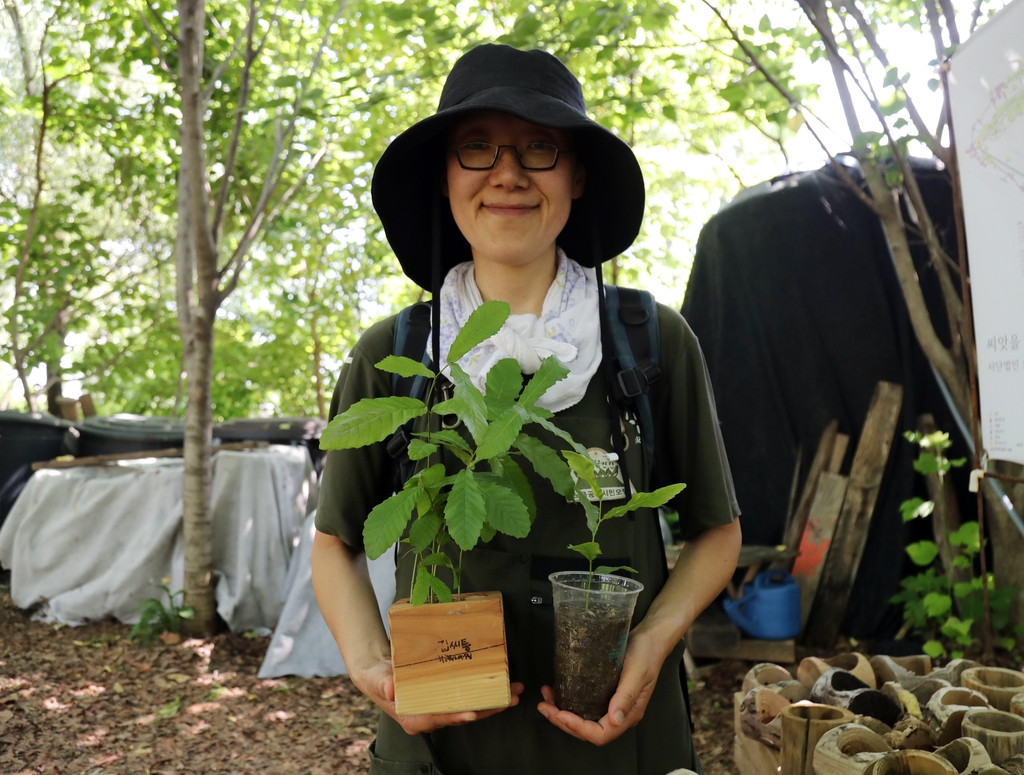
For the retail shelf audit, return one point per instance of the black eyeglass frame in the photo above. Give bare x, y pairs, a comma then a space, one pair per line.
519, 158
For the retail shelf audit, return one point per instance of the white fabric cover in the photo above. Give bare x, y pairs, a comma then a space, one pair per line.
302, 645
87, 543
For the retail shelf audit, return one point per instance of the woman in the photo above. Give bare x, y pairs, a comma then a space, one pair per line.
510, 192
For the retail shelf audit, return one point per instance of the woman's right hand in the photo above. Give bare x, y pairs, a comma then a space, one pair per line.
377, 681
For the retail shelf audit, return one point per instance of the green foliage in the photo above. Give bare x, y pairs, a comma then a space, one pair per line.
471, 504
156, 619
586, 472
928, 597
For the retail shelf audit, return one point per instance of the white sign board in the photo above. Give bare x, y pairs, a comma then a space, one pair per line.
987, 100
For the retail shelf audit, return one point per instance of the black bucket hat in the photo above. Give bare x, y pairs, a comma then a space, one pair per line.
536, 87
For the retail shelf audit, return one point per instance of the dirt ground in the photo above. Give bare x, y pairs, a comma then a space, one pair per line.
88, 700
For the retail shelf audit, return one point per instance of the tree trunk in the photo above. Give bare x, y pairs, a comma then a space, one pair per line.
199, 590
197, 263
1004, 536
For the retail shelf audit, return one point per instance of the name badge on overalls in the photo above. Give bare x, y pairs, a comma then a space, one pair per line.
609, 477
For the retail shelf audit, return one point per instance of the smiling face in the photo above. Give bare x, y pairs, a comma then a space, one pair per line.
509, 215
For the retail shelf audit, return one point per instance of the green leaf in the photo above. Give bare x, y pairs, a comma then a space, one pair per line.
504, 380
962, 561
609, 569
505, 510
591, 550
968, 537
957, 462
592, 511
421, 587
916, 507
386, 522
547, 463
937, 604
583, 467
464, 513
498, 438
431, 477
933, 648
964, 588
483, 323
509, 470
286, 81
487, 533
170, 709
956, 628
444, 594
419, 449
647, 500
892, 77
926, 464
424, 530
467, 404
437, 558
765, 25
1007, 643
551, 371
370, 420
923, 552
449, 438
550, 427
404, 367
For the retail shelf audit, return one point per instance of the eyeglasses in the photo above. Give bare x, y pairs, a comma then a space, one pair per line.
483, 156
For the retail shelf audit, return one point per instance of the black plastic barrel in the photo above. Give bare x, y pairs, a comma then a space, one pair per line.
276, 430
121, 433
25, 439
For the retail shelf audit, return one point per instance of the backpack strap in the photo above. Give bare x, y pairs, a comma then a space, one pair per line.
633, 320
411, 334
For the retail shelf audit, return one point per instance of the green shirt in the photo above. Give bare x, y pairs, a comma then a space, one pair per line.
688, 448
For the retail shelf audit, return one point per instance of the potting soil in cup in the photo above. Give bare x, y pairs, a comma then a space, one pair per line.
589, 647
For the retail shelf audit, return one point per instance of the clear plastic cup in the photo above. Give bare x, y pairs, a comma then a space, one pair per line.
592, 619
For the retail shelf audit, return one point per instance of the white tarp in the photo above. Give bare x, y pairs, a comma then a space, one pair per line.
88, 543
302, 645
986, 82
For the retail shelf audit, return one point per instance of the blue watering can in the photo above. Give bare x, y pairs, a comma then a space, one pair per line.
769, 608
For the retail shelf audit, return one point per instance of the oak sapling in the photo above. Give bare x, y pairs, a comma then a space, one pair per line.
488, 493
583, 466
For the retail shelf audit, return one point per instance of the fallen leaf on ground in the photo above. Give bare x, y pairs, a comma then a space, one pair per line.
170, 638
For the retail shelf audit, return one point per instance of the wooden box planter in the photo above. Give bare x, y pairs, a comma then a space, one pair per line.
450, 657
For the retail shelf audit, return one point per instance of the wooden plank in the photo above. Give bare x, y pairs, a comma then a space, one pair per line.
101, 460
450, 657
781, 652
68, 408
88, 408
851, 531
838, 453
821, 525
822, 458
752, 757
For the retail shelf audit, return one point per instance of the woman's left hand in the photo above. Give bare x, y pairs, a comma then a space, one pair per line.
640, 668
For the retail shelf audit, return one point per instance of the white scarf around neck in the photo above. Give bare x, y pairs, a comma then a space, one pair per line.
569, 328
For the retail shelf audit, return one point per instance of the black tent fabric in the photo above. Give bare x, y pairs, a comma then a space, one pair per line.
798, 309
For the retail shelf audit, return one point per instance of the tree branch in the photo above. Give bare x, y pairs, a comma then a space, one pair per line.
236, 130
283, 139
817, 12
924, 133
19, 36
935, 27
949, 14
975, 15
795, 104
158, 44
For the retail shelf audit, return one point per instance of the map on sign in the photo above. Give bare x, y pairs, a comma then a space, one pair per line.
998, 137
987, 102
